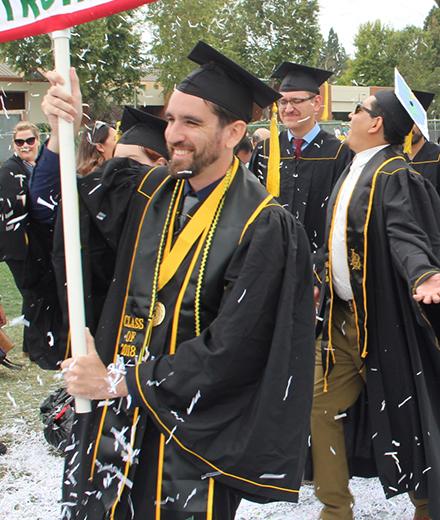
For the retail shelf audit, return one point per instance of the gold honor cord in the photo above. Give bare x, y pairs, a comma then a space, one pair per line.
156, 284
227, 182
189, 235
177, 190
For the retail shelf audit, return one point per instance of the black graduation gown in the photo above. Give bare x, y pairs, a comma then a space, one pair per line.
25, 247
14, 179
393, 239
306, 183
97, 254
427, 162
216, 415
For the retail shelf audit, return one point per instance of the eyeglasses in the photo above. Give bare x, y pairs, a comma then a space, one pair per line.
361, 108
283, 102
20, 142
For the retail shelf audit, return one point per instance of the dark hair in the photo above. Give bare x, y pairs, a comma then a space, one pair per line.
391, 135
244, 145
88, 157
225, 117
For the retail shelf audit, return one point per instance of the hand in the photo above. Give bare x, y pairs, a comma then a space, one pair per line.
87, 376
429, 290
3, 319
58, 103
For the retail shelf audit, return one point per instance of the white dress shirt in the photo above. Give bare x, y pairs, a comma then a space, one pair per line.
339, 257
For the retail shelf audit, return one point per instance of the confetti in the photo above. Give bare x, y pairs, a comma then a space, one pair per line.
242, 296
287, 388
193, 402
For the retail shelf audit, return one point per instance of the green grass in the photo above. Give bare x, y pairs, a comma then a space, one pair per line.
11, 300
26, 387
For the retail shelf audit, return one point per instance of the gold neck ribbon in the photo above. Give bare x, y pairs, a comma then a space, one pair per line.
202, 219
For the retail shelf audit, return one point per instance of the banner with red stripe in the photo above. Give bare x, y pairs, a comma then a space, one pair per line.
22, 18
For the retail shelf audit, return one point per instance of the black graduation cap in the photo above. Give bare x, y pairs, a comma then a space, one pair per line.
297, 77
425, 98
143, 129
397, 113
223, 82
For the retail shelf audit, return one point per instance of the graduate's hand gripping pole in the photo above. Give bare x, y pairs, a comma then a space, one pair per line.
72, 244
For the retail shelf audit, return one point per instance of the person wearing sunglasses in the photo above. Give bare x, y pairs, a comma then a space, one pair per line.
96, 146
15, 174
377, 378
310, 159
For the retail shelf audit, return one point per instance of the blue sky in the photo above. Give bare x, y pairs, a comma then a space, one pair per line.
345, 16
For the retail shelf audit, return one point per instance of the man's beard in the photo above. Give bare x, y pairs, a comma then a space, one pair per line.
200, 161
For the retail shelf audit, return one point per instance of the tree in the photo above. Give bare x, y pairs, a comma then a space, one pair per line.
372, 64
177, 25
258, 34
413, 50
274, 31
106, 54
432, 72
332, 56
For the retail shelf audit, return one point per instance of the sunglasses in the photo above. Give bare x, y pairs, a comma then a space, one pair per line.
30, 141
361, 108
96, 133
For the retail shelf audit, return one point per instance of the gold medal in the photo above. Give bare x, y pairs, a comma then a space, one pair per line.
159, 314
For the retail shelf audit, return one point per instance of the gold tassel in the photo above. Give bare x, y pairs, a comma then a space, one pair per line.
273, 164
118, 131
407, 144
325, 112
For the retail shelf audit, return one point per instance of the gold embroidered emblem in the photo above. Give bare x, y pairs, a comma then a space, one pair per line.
159, 314
355, 261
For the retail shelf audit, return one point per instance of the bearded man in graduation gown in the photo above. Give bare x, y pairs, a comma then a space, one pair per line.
204, 350
378, 367
311, 159
424, 156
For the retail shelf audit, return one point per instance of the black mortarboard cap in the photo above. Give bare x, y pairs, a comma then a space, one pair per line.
425, 98
223, 82
396, 112
296, 77
143, 129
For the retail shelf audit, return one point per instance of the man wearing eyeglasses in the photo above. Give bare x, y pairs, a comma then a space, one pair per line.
377, 378
311, 159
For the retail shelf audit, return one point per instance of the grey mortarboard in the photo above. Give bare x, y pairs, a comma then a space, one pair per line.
297, 77
143, 129
225, 83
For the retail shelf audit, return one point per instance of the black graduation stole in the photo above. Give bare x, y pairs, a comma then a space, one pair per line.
143, 309
358, 219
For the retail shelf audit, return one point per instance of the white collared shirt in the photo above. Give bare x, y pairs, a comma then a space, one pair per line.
339, 257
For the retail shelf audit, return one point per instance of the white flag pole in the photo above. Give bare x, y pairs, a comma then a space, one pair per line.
72, 244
